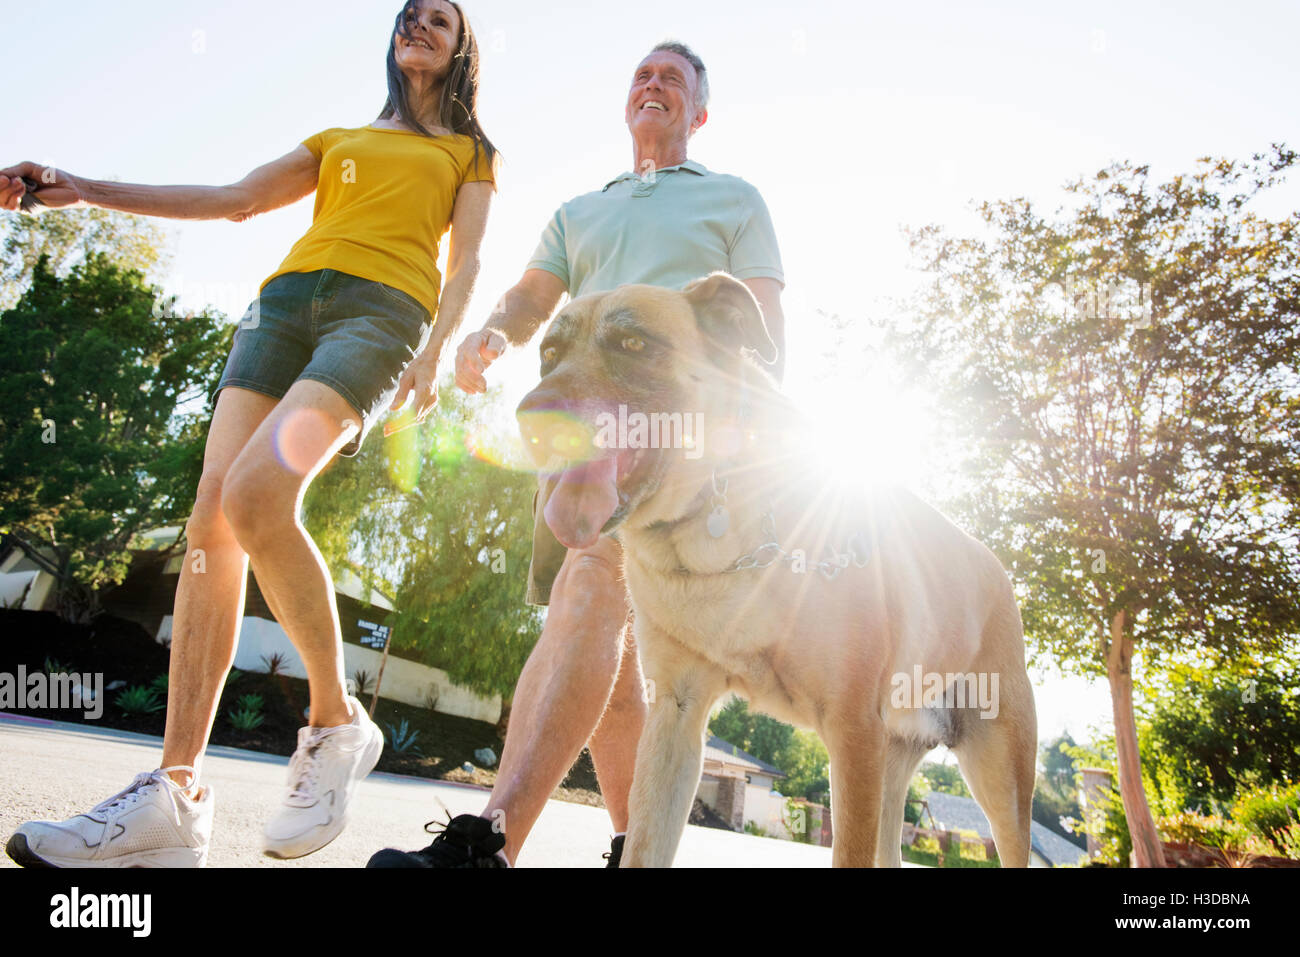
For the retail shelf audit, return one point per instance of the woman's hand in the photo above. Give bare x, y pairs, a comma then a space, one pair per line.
419, 377
56, 188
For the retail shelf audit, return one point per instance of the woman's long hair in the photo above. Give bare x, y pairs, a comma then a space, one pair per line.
458, 108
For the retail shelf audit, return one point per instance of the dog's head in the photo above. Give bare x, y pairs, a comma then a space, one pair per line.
641, 391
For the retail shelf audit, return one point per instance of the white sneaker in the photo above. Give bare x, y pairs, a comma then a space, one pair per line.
152, 823
324, 771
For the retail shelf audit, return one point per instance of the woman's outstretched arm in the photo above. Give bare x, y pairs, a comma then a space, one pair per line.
278, 183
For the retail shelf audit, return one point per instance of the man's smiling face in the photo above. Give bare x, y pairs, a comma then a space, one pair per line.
662, 97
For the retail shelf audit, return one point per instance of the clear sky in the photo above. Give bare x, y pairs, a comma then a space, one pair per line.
852, 118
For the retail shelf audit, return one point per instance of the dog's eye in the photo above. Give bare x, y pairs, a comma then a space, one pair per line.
633, 344
548, 354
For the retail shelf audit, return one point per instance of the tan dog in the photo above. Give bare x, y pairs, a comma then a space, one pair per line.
915, 604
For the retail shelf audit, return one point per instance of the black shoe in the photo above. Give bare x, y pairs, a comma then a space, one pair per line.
464, 841
615, 851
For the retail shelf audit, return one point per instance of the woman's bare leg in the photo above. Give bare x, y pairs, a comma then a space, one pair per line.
210, 594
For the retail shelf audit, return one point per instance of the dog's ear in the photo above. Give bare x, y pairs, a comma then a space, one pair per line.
729, 315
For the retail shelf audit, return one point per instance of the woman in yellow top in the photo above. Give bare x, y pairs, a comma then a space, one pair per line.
342, 331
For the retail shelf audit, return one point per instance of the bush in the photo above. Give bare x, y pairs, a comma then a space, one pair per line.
969, 847
1207, 830
139, 699
1268, 811
401, 738
248, 715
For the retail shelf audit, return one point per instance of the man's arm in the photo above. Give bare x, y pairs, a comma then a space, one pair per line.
768, 293
514, 321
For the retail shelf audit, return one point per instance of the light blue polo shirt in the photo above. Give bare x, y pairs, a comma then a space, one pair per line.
662, 229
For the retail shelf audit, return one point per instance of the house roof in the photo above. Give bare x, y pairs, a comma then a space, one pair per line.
953, 813
724, 751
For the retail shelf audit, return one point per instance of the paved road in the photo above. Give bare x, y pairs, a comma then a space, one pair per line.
51, 771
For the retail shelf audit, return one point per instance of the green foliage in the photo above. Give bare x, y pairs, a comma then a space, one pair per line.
362, 678
795, 818
1134, 464
247, 714
1287, 841
401, 738
422, 517
1269, 810
917, 789
274, 663
1055, 796
799, 753
756, 829
159, 684
1208, 830
53, 666
969, 846
93, 442
945, 778
139, 699
1144, 465
1209, 731
1105, 819
66, 237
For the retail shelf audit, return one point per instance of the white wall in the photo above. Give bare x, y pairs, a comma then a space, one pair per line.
406, 681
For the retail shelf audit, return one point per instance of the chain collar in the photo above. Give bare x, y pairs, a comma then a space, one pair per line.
770, 552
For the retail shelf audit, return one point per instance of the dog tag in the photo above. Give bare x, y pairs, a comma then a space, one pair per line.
719, 521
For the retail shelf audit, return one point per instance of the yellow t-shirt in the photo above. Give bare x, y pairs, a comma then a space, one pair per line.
383, 202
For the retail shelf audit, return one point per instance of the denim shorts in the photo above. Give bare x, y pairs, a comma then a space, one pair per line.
354, 335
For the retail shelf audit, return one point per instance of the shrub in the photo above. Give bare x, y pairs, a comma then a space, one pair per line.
401, 738
248, 715
53, 666
970, 846
1288, 841
139, 699
1268, 810
159, 684
1207, 830
927, 844
274, 663
362, 679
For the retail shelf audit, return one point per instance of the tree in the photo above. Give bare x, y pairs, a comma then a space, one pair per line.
945, 778
67, 237
798, 753
425, 516
93, 447
1122, 380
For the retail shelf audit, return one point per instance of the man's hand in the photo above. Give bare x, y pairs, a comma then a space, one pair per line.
54, 187
421, 378
477, 351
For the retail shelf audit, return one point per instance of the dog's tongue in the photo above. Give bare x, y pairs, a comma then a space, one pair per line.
583, 501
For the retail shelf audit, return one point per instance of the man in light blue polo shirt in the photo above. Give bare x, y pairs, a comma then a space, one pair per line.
665, 223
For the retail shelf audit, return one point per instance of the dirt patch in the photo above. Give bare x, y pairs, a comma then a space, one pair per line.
440, 744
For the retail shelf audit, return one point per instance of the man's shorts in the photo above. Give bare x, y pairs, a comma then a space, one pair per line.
548, 552
354, 335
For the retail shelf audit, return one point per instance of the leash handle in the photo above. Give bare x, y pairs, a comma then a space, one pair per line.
30, 200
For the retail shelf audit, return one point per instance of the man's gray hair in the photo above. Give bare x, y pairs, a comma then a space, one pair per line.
691, 57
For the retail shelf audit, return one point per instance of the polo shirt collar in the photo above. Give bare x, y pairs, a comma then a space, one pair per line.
690, 166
